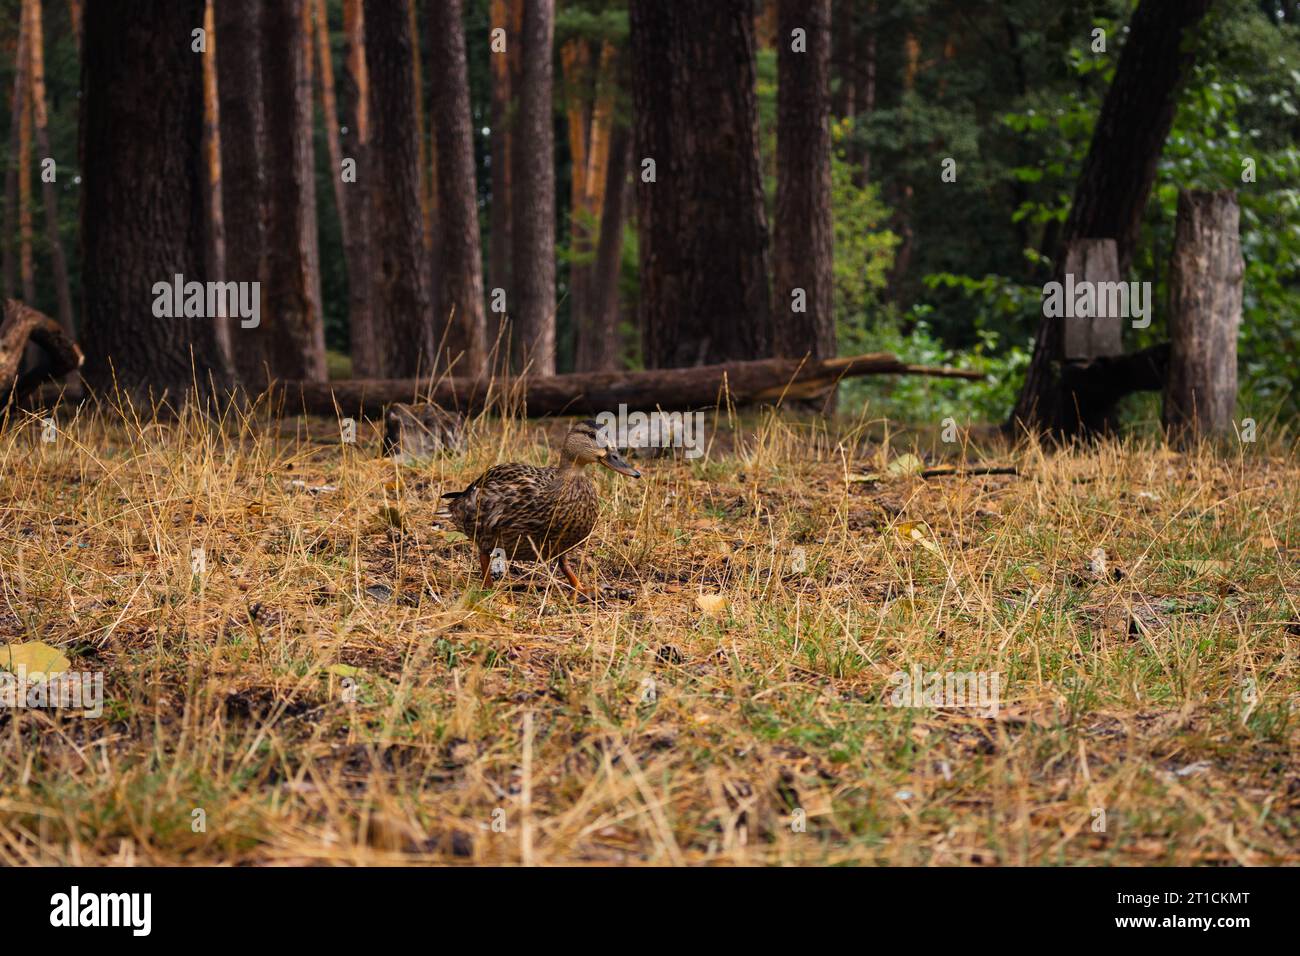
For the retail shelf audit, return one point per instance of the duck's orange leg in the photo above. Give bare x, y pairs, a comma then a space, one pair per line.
573, 578
485, 565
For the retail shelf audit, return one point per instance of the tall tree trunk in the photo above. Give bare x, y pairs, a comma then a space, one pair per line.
1118, 172
427, 187
290, 342
867, 106
703, 229
591, 106
216, 230
505, 15
802, 254
329, 107
575, 65
354, 96
243, 152
846, 59
49, 192
9, 269
599, 346
533, 198
460, 264
74, 13
142, 198
402, 303
26, 262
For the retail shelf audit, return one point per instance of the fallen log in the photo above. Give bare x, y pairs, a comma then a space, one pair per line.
21, 325
589, 393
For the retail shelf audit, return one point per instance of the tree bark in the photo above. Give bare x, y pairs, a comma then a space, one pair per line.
428, 187
576, 72
290, 341
49, 192
505, 15
459, 322
592, 178
215, 249
74, 14
703, 231
142, 199
26, 262
354, 96
1111, 194
1205, 315
329, 107
8, 243
403, 307
242, 144
802, 254
533, 197
584, 393
599, 347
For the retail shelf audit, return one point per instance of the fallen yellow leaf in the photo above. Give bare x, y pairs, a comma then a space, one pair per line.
34, 657
711, 603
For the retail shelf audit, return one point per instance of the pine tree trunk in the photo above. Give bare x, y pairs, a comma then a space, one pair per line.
533, 197
26, 262
599, 345
329, 109
575, 64
354, 102
402, 303
49, 191
74, 14
703, 230
216, 230
1111, 194
460, 264
846, 59
9, 269
243, 145
802, 254
290, 342
428, 188
504, 15
142, 199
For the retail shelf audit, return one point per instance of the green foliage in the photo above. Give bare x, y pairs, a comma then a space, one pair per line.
864, 249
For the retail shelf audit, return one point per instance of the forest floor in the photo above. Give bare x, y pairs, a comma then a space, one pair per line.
325, 682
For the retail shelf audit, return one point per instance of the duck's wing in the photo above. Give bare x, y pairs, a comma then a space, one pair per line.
499, 495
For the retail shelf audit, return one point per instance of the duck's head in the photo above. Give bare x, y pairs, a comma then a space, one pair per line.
584, 444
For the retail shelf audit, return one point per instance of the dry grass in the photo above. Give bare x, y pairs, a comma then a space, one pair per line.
643, 729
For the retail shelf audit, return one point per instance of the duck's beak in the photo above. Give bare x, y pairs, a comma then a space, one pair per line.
614, 462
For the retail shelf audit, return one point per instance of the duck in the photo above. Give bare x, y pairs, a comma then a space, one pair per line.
537, 513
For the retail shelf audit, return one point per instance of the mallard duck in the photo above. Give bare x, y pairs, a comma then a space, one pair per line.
537, 513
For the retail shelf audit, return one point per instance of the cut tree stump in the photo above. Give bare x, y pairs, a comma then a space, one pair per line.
22, 325
1205, 314
588, 393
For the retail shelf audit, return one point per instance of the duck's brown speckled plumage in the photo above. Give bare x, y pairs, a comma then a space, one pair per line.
527, 511
537, 513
